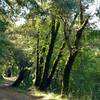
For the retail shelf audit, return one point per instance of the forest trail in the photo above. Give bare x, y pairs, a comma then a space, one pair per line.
7, 93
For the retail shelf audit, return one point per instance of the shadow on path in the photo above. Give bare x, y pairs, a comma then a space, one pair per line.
8, 93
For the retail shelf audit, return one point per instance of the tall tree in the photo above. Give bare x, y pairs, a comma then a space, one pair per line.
54, 32
72, 50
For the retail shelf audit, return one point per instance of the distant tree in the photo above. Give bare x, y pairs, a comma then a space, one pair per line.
23, 63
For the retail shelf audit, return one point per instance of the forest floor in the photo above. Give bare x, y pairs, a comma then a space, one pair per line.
9, 93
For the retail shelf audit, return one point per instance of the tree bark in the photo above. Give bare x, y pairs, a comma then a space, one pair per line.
38, 76
55, 64
22, 75
67, 71
54, 32
73, 52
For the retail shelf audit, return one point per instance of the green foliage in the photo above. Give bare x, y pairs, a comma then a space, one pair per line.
67, 5
18, 46
86, 69
3, 26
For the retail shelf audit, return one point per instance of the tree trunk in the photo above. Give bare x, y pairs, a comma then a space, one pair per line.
73, 51
54, 33
9, 72
67, 71
22, 75
38, 75
55, 64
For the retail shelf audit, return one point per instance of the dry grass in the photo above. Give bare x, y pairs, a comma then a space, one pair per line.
47, 95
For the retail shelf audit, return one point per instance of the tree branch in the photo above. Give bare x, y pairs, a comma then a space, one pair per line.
79, 33
73, 22
66, 34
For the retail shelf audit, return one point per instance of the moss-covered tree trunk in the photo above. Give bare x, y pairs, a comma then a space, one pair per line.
22, 75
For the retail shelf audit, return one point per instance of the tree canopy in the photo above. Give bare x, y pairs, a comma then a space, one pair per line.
56, 49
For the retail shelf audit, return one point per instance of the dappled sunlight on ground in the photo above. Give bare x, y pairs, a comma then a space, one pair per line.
47, 95
10, 78
9, 81
9, 93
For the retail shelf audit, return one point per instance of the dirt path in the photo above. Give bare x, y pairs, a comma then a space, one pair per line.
7, 93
